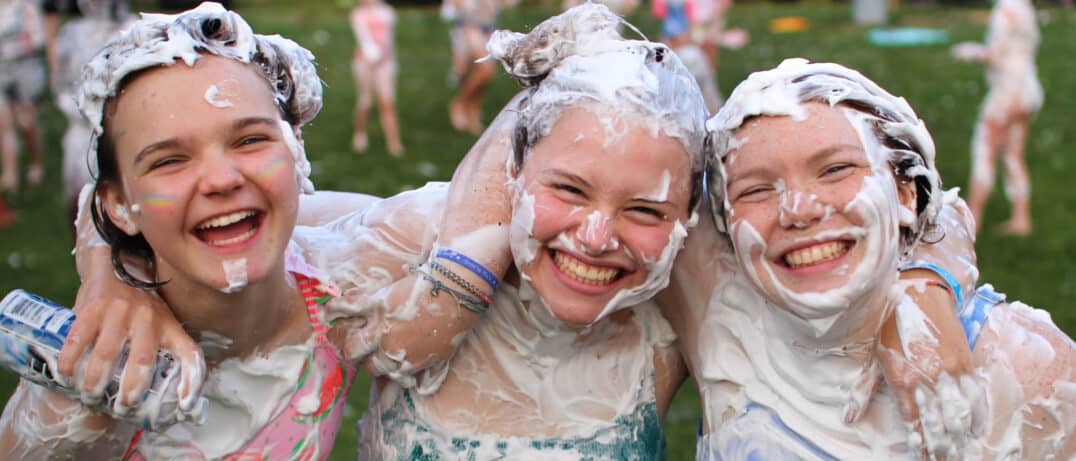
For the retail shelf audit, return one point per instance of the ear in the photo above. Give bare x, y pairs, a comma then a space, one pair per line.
907, 194
119, 211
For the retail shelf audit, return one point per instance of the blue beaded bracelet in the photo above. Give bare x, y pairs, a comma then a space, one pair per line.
471, 265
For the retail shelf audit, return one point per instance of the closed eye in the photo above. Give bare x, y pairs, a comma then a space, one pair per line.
754, 191
166, 161
648, 211
834, 169
253, 139
568, 188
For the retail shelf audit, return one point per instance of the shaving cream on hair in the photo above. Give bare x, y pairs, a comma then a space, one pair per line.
162, 40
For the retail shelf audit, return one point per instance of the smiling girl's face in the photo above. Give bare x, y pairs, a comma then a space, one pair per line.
203, 153
812, 214
598, 201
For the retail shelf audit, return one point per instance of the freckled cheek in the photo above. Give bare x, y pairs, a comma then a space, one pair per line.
760, 216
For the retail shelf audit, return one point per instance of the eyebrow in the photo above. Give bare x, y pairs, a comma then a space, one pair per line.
650, 200
566, 175
174, 142
814, 157
248, 121
159, 145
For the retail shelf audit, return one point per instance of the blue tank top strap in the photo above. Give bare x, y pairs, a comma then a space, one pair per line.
973, 315
948, 278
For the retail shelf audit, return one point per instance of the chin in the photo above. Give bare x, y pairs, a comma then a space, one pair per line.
576, 315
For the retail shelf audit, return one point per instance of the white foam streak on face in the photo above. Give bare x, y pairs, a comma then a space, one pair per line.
235, 274
662, 192
211, 97
298, 152
880, 226
243, 394
657, 275
792, 204
520, 233
595, 228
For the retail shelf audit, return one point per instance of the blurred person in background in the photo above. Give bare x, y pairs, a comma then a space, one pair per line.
76, 42
472, 23
677, 17
1014, 98
22, 79
374, 65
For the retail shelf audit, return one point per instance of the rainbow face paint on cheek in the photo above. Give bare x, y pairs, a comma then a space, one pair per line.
158, 203
271, 171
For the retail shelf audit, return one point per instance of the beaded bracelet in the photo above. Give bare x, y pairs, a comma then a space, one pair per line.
462, 300
461, 282
471, 265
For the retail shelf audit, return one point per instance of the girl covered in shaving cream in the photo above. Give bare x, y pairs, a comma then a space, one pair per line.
820, 227
197, 201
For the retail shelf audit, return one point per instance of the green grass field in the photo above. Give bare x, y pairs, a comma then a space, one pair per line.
35, 254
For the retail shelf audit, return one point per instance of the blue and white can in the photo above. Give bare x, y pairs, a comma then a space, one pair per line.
32, 331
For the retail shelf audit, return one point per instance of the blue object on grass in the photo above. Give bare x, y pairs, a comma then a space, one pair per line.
907, 36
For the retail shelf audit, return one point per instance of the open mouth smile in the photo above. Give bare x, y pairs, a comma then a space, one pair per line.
585, 273
816, 254
230, 229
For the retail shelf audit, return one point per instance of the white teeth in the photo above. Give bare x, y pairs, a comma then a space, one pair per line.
226, 220
583, 272
816, 254
233, 240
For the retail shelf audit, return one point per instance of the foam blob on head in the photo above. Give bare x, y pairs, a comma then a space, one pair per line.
782, 91
163, 40
579, 58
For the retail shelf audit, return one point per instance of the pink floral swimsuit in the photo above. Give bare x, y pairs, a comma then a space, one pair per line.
293, 434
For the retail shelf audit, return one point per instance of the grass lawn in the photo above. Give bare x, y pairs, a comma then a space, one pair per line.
35, 254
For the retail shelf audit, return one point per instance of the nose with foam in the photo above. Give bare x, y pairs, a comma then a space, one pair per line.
799, 209
596, 233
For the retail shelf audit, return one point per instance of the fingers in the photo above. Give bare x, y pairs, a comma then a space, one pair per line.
191, 369
972, 388
137, 373
930, 419
81, 336
356, 337
97, 369
955, 410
